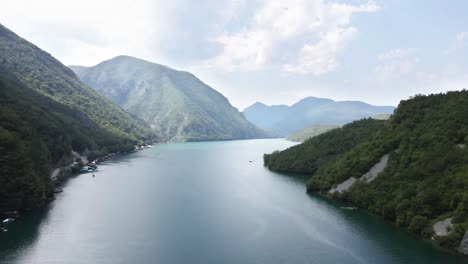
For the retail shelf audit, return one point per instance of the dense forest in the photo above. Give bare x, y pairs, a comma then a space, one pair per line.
323, 149
426, 179
36, 133
45, 114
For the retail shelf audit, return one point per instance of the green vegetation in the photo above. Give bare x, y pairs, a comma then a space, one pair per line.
45, 114
36, 134
323, 149
426, 179
310, 132
38, 70
176, 104
284, 120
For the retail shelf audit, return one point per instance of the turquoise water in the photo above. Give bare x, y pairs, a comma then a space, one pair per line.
204, 203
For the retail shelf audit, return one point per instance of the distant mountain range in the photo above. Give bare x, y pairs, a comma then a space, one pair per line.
176, 104
283, 120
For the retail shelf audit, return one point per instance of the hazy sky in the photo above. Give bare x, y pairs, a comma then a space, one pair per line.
271, 51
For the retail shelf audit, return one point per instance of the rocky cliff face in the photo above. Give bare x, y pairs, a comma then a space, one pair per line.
463, 248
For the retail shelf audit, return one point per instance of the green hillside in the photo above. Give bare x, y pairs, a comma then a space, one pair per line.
426, 178
310, 132
176, 104
323, 149
36, 133
38, 70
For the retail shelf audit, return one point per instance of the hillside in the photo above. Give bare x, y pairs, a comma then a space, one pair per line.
38, 70
36, 135
284, 120
423, 175
310, 132
176, 104
323, 149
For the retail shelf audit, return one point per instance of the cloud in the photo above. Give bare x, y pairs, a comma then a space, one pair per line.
320, 58
82, 32
396, 54
395, 69
396, 63
461, 36
298, 36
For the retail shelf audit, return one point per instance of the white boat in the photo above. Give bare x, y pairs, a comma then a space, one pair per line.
8, 220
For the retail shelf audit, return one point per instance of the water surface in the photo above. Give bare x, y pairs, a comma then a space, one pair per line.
204, 203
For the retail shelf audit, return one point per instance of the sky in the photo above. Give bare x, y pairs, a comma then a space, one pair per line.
272, 51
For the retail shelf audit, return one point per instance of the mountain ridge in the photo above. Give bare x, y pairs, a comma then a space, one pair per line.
177, 104
283, 120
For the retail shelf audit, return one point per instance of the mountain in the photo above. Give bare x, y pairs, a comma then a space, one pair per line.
49, 119
38, 134
38, 70
176, 104
310, 132
413, 170
284, 120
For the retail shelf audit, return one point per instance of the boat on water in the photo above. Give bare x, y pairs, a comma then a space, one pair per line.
8, 220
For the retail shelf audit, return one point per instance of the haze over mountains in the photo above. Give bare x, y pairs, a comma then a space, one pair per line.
176, 104
283, 120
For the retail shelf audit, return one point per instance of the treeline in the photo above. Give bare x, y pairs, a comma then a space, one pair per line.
426, 179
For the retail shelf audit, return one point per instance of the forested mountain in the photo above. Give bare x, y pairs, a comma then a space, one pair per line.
284, 120
425, 179
46, 113
38, 70
36, 133
176, 104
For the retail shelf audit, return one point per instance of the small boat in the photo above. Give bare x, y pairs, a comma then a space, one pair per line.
3, 229
8, 220
58, 190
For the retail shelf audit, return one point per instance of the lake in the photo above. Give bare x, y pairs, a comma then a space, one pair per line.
207, 202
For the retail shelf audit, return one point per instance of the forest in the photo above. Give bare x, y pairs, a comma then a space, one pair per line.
426, 179
36, 133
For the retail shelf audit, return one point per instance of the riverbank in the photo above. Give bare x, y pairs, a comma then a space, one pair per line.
71, 166
176, 202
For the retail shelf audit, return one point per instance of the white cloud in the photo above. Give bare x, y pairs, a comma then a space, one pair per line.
82, 32
307, 33
395, 64
320, 58
396, 54
395, 69
461, 36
